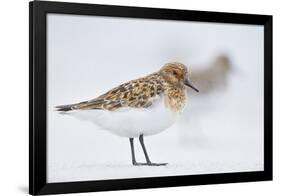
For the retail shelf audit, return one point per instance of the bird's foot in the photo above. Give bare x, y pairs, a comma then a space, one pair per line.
139, 164
149, 164
156, 164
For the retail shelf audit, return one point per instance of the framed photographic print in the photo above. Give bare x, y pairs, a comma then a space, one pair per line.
130, 97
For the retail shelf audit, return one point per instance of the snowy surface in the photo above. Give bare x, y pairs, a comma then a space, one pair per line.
221, 130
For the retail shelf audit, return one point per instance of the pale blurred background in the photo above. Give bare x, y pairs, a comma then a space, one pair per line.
221, 129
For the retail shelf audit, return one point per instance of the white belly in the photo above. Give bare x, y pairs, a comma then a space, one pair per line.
131, 122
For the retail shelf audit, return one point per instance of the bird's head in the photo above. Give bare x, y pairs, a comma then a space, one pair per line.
177, 74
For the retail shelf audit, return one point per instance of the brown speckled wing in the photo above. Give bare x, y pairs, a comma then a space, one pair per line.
136, 93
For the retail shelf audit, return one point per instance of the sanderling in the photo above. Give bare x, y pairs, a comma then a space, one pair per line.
138, 108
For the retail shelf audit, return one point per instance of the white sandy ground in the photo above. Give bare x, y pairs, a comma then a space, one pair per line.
220, 131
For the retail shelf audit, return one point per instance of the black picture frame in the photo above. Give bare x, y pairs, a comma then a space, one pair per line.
37, 97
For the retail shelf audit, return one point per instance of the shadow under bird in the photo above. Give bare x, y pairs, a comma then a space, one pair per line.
138, 108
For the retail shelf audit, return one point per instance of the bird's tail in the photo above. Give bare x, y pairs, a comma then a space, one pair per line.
65, 108
75, 106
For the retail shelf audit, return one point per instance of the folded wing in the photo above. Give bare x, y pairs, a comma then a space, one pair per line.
138, 93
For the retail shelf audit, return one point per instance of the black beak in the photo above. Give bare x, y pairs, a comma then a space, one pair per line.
188, 83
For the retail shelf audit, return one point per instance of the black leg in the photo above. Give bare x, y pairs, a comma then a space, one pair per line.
148, 162
144, 149
134, 162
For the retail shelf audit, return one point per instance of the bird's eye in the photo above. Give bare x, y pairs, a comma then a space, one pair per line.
175, 73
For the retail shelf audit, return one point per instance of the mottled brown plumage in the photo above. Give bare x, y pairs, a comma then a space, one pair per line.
169, 81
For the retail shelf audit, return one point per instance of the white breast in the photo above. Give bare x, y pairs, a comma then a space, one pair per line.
131, 122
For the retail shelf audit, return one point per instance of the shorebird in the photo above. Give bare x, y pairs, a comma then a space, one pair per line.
138, 108
214, 77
